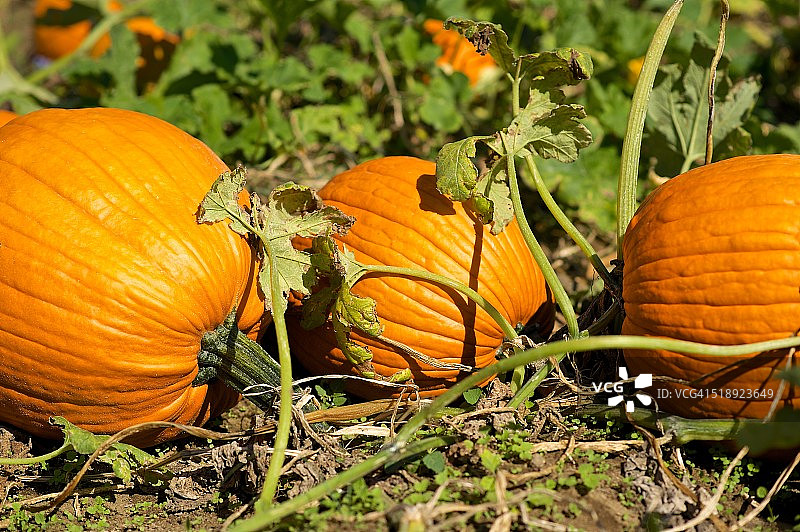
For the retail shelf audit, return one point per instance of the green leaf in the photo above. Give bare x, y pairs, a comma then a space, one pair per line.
435, 461
588, 186
222, 201
486, 37
678, 112
293, 210
120, 62
563, 66
491, 460
122, 457
439, 106
178, 16
472, 395
356, 311
589, 478
491, 201
456, 175
360, 27
547, 128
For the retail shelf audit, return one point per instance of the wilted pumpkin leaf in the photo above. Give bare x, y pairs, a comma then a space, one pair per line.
293, 209
222, 201
492, 201
486, 37
317, 306
547, 128
562, 66
356, 311
290, 210
456, 175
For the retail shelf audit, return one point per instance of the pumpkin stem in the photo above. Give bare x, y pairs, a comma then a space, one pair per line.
550, 276
534, 180
632, 144
227, 353
425, 359
479, 300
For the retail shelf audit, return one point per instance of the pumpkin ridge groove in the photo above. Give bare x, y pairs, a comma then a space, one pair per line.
427, 286
89, 262
498, 301
141, 248
81, 258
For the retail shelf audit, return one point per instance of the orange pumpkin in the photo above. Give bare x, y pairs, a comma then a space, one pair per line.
56, 40
713, 256
107, 281
458, 54
7, 116
402, 220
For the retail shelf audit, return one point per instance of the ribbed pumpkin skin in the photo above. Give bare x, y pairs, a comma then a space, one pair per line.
457, 52
713, 256
107, 283
7, 116
402, 220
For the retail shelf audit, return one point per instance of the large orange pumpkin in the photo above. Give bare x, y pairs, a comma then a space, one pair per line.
402, 220
7, 116
713, 256
107, 281
458, 54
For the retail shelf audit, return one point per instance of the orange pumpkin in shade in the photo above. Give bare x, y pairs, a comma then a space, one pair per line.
7, 116
458, 54
107, 281
402, 220
713, 256
55, 36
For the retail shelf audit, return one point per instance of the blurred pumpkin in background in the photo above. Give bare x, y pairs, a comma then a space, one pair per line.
458, 54
62, 25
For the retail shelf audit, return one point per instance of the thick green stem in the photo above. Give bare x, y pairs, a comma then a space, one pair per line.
502, 322
550, 276
536, 182
109, 20
285, 413
555, 349
683, 430
37, 459
515, 81
632, 145
229, 354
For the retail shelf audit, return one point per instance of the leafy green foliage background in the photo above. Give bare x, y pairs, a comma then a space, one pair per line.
300, 90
